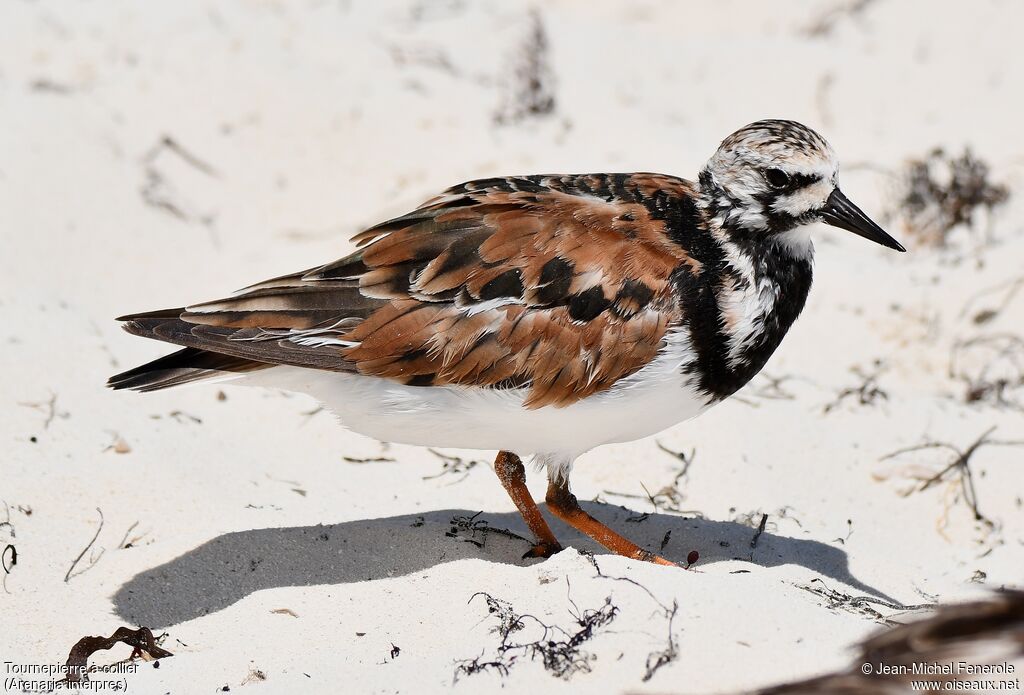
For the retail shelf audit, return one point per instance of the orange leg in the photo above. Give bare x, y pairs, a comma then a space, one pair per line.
512, 475
563, 504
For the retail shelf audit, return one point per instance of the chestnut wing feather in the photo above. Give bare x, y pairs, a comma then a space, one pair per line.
557, 284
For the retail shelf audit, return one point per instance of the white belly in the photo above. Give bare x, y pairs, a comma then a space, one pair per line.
653, 399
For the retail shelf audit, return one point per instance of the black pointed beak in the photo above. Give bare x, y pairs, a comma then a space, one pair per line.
840, 212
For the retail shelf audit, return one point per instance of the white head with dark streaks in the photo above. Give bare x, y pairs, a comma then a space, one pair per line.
770, 178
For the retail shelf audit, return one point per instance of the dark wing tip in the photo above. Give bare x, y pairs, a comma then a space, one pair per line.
158, 314
182, 367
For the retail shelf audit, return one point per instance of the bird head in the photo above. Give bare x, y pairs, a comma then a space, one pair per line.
772, 177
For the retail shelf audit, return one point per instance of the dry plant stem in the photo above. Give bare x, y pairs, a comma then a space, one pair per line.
563, 504
96, 535
124, 541
512, 475
961, 462
1011, 287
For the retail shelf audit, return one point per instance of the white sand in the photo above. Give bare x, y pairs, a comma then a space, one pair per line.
320, 117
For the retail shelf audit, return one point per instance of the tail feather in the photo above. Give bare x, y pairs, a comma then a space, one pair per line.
182, 367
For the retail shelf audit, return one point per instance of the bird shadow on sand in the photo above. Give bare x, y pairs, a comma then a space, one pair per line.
228, 568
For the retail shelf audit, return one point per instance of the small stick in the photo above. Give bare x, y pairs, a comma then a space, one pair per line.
67, 576
125, 539
760, 530
960, 462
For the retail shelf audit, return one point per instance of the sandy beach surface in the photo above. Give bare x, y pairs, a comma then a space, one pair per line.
156, 154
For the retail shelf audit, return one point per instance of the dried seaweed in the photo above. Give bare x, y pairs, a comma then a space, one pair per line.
141, 641
655, 660
1009, 291
659, 658
867, 392
452, 465
861, 605
941, 192
992, 369
668, 498
558, 649
958, 471
478, 530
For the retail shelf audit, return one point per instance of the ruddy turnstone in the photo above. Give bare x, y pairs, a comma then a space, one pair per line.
542, 315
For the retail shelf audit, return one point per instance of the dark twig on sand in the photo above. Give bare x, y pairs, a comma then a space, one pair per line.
166, 142
125, 543
369, 459
826, 22
992, 368
867, 391
668, 498
1009, 290
656, 659
452, 465
49, 408
157, 190
960, 464
760, 530
670, 653
92, 561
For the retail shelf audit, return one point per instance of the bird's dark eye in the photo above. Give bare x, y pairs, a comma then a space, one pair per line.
776, 178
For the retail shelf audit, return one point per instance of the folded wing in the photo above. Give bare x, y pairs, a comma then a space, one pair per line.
560, 285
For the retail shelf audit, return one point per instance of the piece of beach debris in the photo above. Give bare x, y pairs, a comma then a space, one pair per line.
371, 459
167, 159
657, 659
452, 465
825, 23
991, 367
957, 472
478, 530
141, 641
867, 392
130, 542
49, 409
93, 559
861, 605
119, 445
255, 676
940, 193
9, 557
559, 649
530, 91
668, 498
